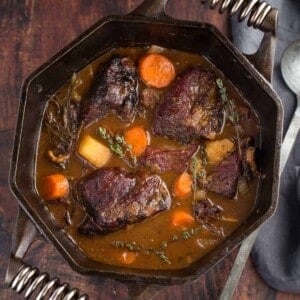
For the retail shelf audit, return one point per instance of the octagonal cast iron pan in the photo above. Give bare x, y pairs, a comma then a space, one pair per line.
148, 24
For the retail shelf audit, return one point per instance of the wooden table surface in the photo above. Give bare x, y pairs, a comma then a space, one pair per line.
30, 33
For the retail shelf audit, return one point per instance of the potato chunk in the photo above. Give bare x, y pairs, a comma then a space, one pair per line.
218, 150
94, 151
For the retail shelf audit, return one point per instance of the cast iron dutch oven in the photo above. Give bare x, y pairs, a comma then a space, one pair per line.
147, 25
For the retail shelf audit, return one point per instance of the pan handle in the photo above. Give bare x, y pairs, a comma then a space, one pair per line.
152, 8
263, 59
21, 277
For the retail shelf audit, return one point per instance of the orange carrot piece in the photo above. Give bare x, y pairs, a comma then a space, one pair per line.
181, 218
55, 186
137, 137
156, 70
127, 257
183, 185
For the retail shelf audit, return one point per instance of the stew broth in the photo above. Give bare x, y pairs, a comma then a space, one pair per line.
155, 231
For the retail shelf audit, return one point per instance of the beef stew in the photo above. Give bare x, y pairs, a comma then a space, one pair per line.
190, 181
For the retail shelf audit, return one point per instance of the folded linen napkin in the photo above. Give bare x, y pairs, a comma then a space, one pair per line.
277, 248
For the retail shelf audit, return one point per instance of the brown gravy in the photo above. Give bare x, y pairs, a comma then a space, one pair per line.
154, 231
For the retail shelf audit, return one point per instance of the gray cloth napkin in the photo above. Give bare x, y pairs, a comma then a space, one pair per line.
277, 249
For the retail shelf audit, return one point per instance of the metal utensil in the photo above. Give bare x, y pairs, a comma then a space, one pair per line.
290, 68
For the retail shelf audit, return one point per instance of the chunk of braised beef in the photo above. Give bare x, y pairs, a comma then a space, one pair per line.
115, 88
149, 97
250, 159
205, 210
114, 198
224, 178
191, 108
159, 160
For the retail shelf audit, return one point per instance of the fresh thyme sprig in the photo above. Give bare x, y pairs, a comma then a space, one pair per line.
161, 254
230, 106
198, 170
118, 145
61, 122
186, 234
203, 155
194, 167
231, 111
161, 251
202, 172
133, 246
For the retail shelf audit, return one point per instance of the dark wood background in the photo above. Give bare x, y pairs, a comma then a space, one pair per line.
30, 33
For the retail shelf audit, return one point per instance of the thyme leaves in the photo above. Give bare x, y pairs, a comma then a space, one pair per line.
231, 111
186, 234
133, 246
194, 167
118, 145
198, 170
229, 104
61, 124
160, 252
161, 255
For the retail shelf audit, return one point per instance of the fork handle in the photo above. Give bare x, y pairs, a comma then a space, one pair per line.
290, 136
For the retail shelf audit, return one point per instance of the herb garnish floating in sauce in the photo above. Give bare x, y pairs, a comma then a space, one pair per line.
160, 252
133, 246
198, 169
186, 234
230, 106
118, 145
202, 172
231, 111
61, 123
128, 245
194, 166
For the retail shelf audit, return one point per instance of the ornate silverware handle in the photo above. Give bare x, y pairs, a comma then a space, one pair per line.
31, 280
256, 10
24, 278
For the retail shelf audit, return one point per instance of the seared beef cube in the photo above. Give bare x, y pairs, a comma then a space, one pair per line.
205, 210
191, 108
159, 160
115, 88
149, 97
114, 198
224, 178
250, 156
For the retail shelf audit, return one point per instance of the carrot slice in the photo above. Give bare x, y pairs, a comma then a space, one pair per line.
137, 137
55, 186
183, 185
156, 70
182, 218
127, 257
